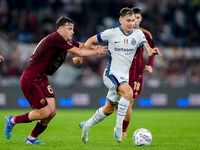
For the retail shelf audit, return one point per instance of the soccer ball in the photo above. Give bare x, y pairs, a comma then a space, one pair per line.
142, 137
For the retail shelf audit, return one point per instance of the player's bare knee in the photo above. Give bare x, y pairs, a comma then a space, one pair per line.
53, 114
128, 95
45, 114
48, 115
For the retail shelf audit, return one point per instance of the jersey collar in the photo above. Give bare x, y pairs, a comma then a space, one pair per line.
120, 27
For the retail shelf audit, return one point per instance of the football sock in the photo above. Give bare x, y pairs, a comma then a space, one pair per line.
22, 118
38, 129
97, 117
125, 125
31, 137
121, 112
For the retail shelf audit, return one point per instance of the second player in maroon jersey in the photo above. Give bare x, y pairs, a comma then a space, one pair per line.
137, 69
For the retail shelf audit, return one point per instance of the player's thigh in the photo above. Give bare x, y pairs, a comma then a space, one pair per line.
33, 93
136, 87
49, 95
46, 88
125, 91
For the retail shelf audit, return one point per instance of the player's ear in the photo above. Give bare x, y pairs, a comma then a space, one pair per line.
60, 29
120, 20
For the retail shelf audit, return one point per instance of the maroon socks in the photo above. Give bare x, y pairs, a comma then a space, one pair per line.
125, 125
22, 118
39, 128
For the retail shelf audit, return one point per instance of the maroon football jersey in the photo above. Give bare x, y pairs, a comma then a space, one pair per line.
137, 65
49, 54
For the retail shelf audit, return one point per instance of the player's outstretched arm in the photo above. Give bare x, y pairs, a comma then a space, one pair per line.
1, 58
82, 45
78, 60
91, 41
151, 51
83, 52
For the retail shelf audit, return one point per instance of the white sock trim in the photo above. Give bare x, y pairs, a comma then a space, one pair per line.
31, 138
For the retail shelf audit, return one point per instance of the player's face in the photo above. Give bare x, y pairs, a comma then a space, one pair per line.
68, 31
127, 23
138, 19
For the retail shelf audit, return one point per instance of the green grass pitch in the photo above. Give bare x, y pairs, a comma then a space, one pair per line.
171, 130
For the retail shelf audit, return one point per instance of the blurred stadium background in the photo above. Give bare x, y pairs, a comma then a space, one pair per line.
174, 25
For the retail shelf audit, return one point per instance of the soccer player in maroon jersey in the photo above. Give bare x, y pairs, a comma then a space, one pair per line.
1, 58
136, 69
47, 57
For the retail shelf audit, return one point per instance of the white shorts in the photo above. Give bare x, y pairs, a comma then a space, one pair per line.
112, 82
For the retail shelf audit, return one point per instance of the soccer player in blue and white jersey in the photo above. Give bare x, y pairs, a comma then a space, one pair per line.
123, 43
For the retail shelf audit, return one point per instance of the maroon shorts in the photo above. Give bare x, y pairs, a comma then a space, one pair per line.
137, 87
136, 81
36, 90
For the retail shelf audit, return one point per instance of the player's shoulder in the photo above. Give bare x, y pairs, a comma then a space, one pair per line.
53, 35
112, 30
137, 31
146, 32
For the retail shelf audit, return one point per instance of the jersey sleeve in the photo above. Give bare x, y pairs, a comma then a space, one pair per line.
75, 43
141, 37
151, 44
105, 35
61, 43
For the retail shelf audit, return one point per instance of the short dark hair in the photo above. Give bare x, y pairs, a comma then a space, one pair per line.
125, 11
137, 10
62, 21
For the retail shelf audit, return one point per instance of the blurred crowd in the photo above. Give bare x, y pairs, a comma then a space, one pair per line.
174, 25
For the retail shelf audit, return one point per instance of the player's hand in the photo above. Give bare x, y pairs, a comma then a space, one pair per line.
101, 50
1, 58
95, 46
77, 60
155, 51
148, 68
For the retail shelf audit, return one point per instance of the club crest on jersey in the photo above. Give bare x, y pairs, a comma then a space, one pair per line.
133, 41
42, 101
69, 43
